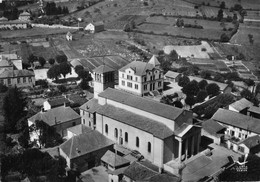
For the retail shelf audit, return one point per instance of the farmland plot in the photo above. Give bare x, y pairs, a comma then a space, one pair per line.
213, 12
241, 37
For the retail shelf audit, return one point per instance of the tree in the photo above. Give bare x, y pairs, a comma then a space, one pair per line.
61, 58
177, 103
212, 89
85, 75
166, 99
13, 108
222, 5
78, 68
202, 84
180, 22
3, 88
84, 84
249, 82
201, 96
224, 37
62, 88
190, 100
32, 58
42, 61
191, 88
51, 61
219, 78
205, 74
257, 89
220, 15
183, 81
251, 39
54, 72
65, 68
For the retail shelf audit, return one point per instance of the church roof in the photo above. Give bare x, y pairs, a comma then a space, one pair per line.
154, 61
140, 68
144, 104
103, 69
85, 143
143, 123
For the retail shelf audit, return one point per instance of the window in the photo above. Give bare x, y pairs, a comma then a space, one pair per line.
159, 75
149, 147
239, 135
151, 77
137, 142
129, 77
9, 81
145, 79
1, 81
83, 121
24, 79
145, 87
136, 79
18, 80
129, 84
89, 115
106, 129
126, 137
30, 79
232, 133
123, 75
123, 82
89, 124
116, 133
159, 84
136, 86
241, 149
74, 124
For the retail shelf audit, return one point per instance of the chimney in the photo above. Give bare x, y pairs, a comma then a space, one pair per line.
64, 104
42, 109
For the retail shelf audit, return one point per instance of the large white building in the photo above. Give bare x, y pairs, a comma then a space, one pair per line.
163, 134
140, 78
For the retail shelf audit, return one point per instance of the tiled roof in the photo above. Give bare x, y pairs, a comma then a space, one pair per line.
85, 143
252, 141
142, 103
103, 69
138, 172
113, 159
238, 120
139, 67
13, 22
90, 106
4, 63
151, 126
79, 129
165, 177
58, 101
172, 74
212, 126
7, 73
69, 34
241, 104
254, 109
55, 116
25, 14
98, 23
77, 99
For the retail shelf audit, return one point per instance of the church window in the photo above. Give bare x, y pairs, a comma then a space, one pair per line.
126, 137
149, 147
137, 141
116, 133
106, 129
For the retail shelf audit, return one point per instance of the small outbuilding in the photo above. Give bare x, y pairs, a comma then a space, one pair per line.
95, 27
69, 36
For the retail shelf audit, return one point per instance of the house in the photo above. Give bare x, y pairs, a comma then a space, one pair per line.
13, 25
53, 102
172, 76
112, 161
4, 63
60, 118
241, 106
95, 27
239, 126
24, 16
76, 100
254, 111
213, 130
19, 78
249, 145
140, 78
84, 151
77, 130
69, 36
163, 134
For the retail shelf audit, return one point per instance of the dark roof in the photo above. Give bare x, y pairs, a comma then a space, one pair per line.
142, 103
77, 99
85, 143
113, 159
252, 141
238, 120
7, 73
13, 22
241, 104
137, 172
103, 69
98, 23
143, 123
212, 127
165, 177
79, 129
254, 109
58, 101
90, 106
139, 67
55, 116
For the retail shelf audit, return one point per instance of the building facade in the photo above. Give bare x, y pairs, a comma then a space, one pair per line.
140, 78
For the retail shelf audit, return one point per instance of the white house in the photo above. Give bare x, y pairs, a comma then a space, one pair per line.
53, 102
140, 78
95, 27
69, 36
25, 16
241, 106
163, 134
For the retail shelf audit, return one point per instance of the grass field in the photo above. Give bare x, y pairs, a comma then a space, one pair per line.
241, 37
213, 12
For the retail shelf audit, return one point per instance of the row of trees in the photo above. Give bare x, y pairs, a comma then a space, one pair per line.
52, 9
32, 59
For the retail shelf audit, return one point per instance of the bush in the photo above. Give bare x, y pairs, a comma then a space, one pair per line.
203, 49
62, 88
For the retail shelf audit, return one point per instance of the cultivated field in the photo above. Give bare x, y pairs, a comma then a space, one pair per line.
191, 51
213, 12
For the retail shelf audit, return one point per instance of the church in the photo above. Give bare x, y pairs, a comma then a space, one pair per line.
163, 134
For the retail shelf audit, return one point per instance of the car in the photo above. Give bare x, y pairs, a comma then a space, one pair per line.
137, 154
